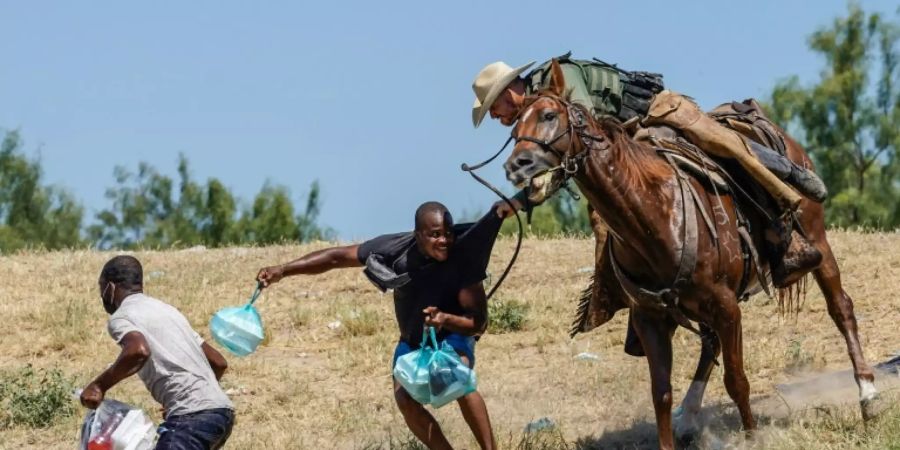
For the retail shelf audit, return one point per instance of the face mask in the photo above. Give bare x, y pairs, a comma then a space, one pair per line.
109, 305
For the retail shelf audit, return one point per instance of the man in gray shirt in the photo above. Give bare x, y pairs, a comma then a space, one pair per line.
180, 370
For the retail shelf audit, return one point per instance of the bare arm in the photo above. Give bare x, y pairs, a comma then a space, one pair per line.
216, 361
313, 263
474, 301
135, 353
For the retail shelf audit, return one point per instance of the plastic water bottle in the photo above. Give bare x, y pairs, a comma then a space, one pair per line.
104, 440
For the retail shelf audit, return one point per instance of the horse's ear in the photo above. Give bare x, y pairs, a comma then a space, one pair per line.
557, 80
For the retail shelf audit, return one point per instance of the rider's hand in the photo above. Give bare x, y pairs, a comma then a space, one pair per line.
503, 209
92, 396
270, 275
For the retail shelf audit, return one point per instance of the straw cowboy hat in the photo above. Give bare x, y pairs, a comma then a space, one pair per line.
488, 85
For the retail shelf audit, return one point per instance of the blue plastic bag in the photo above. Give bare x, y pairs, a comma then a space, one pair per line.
239, 329
411, 371
448, 377
434, 374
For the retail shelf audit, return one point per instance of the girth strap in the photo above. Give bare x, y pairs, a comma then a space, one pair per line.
667, 299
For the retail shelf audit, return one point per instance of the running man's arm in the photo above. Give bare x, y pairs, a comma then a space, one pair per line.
135, 353
216, 361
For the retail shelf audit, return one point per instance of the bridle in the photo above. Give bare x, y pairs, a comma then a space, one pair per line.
569, 164
571, 159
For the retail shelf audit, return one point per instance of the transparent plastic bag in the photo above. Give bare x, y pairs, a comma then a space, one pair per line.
434, 374
238, 329
117, 426
411, 371
448, 378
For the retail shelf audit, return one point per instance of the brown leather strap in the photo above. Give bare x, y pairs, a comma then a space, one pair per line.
667, 299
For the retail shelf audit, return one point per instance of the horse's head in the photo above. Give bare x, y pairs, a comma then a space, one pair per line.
545, 138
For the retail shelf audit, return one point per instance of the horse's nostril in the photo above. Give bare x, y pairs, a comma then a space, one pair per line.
524, 162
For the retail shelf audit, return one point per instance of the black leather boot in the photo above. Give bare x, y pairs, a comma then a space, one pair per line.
800, 258
803, 180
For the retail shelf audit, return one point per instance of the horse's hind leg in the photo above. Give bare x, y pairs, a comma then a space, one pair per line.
840, 308
840, 305
727, 324
687, 417
656, 338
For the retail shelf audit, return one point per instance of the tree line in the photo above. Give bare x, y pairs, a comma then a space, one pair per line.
148, 209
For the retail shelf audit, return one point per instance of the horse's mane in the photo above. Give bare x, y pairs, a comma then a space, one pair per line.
638, 162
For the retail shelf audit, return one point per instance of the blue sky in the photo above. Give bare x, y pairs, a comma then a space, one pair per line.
373, 99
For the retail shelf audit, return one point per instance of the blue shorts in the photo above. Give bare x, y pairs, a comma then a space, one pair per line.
464, 345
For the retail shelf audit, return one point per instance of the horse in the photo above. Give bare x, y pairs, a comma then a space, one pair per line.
655, 236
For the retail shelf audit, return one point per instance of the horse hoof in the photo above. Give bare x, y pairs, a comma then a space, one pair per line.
687, 427
687, 438
872, 407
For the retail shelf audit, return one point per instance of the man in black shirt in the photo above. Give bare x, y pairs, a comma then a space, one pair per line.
436, 273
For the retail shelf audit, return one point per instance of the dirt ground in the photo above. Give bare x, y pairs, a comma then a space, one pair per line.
310, 386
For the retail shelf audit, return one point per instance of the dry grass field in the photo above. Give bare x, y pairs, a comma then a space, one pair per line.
313, 387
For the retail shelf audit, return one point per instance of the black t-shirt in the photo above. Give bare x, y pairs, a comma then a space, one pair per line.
433, 283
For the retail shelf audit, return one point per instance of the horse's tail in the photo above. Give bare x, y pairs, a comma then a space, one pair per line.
792, 298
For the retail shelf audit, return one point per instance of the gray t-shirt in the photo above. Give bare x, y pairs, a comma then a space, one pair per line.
177, 374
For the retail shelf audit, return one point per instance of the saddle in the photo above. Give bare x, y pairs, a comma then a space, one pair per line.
689, 160
748, 119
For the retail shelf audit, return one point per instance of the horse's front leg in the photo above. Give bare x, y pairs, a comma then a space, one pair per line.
687, 417
727, 324
655, 333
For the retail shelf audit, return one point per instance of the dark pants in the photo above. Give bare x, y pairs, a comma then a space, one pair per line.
201, 430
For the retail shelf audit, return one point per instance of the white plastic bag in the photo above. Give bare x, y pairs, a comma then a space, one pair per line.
117, 426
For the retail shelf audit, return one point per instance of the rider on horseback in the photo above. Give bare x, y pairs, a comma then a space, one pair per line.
638, 99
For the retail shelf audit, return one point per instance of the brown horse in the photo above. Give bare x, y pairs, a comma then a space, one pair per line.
645, 202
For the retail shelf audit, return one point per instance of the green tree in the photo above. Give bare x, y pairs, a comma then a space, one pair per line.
270, 218
141, 205
33, 214
148, 211
849, 121
307, 221
220, 228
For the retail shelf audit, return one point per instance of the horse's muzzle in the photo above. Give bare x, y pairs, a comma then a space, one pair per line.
524, 165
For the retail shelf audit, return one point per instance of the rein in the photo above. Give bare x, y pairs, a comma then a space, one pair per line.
569, 165
471, 170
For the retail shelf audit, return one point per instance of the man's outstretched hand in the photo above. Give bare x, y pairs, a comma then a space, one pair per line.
269, 275
503, 209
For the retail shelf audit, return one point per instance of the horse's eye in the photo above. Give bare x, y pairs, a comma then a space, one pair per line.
548, 116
